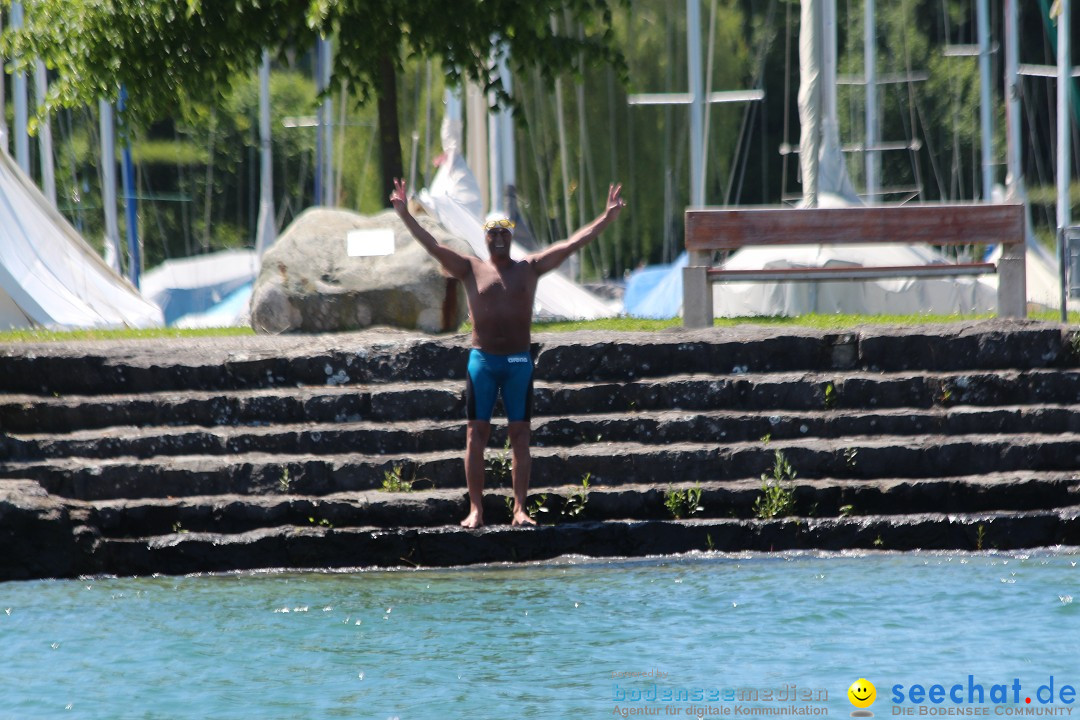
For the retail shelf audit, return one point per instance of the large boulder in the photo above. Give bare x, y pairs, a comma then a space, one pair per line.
309, 283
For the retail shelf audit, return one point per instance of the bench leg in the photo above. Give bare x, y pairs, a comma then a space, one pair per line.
1012, 281
697, 297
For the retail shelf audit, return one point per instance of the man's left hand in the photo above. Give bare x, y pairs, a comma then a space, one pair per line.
615, 202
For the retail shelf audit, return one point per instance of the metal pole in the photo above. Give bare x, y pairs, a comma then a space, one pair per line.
829, 111
131, 208
45, 141
810, 99
564, 159
985, 117
697, 101
494, 138
22, 139
265, 233
873, 155
500, 135
1012, 97
1064, 62
320, 115
108, 184
327, 128
3, 108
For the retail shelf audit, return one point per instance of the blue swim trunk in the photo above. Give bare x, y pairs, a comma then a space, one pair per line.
488, 374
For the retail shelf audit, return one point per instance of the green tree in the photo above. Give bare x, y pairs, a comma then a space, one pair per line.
163, 50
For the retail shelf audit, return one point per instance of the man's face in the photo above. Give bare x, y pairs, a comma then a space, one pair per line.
498, 241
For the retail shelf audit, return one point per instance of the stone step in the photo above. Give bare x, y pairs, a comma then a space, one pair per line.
41, 536
361, 547
231, 363
569, 503
646, 427
608, 463
443, 400
229, 453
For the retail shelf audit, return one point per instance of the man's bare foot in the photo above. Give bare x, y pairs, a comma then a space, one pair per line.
474, 520
522, 518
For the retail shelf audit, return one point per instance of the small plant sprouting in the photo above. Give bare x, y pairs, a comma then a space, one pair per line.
777, 499
537, 506
683, 503
575, 504
498, 466
394, 481
321, 523
945, 392
850, 455
178, 529
847, 510
709, 542
532, 509
878, 542
766, 438
980, 537
674, 501
830, 396
1074, 345
285, 481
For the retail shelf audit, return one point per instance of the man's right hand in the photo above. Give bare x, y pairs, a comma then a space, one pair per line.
399, 198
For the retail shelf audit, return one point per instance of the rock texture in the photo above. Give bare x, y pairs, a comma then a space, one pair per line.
308, 283
213, 454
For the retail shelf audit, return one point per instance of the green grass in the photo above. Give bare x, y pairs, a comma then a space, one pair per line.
619, 324
819, 321
39, 335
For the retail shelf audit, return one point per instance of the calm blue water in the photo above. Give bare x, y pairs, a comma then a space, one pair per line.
535, 642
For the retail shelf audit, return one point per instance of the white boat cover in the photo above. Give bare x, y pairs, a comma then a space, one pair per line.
49, 275
195, 285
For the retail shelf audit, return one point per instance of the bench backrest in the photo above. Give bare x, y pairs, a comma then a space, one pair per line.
731, 228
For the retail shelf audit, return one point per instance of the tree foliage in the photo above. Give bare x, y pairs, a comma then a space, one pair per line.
160, 50
194, 61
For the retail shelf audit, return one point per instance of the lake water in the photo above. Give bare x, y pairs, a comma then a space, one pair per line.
732, 636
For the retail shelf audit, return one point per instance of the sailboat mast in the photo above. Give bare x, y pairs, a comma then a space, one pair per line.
500, 135
985, 118
3, 109
45, 139
264, 229
108, 184
22, 139
1064, 83
873, 154
1012, 96
697, 102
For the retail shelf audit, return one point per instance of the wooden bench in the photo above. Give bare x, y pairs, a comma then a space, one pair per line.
711, 229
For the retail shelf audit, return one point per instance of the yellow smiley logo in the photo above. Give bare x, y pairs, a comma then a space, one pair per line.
862, 693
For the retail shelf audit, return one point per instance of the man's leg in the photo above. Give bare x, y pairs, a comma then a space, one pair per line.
476, 440
520, 434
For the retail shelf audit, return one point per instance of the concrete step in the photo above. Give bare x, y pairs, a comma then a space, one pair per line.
345, 403
828, 497
391, 356
646, 427
324, 547
43, 537
231, 453
609, 463
443, 400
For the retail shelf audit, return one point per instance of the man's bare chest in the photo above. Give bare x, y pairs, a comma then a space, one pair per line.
513, 282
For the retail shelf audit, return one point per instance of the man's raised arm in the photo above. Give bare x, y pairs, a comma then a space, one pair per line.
452, 261
552, 257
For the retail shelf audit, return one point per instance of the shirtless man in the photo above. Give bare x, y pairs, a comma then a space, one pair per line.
500, 293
